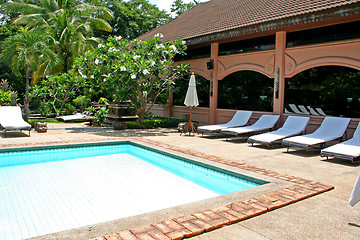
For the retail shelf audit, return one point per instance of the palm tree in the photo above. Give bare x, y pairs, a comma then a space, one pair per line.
69, 23
28, 52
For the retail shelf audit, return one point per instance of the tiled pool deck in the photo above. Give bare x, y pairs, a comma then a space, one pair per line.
324, 216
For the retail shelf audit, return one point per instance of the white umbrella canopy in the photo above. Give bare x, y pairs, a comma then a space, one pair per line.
191, 99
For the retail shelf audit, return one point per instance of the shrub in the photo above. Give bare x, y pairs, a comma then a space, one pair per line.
81, 102
100, 116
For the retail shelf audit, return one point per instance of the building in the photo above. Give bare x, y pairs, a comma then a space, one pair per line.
277, 38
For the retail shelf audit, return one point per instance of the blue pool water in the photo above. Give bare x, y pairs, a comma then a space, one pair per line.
51, 189
218, 181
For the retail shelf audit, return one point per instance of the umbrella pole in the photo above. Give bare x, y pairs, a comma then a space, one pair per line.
190, 128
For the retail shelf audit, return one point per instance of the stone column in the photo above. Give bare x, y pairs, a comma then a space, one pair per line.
214, 84
279, 80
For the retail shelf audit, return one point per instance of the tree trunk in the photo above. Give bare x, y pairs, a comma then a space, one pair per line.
27, 98
142, 116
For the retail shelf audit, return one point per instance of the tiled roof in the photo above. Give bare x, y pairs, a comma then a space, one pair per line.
223, 15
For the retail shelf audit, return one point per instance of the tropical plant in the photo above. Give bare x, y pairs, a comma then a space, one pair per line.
28, 52
140, 70
5, 97
69, 24
100, 116
58, 91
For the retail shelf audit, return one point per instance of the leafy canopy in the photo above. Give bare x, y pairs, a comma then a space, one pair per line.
138, 70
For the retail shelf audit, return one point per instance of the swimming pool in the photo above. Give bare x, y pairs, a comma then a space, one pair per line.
104, 168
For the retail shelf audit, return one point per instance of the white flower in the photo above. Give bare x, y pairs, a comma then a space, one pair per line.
133, 76
152, 63
173, 47
122, 68
118, 38
159, 35
145, 72
100, 45
160, 46
136, 57
97, 61
183, 42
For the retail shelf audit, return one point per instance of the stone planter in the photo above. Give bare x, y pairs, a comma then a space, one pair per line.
40, 127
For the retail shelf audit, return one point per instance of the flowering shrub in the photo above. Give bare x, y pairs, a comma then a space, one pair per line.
134, 70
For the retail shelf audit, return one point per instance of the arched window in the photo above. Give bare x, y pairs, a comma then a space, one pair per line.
334, 89
202, 88
246, 90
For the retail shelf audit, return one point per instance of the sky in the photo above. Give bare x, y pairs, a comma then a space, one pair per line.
165, 4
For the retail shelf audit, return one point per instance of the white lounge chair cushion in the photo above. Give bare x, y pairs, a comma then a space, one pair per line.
73, 117
11, 118
265, 122
349, 148
293, 125
240, 118
330, 129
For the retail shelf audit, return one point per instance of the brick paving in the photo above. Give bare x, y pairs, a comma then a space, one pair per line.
211, 219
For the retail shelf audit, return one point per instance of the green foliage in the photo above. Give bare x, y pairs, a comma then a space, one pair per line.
5, 97
100, 116
28, 52
45, 109
341, 91
155, 123
135, 17
179, 7
81, 101
69, 109
58, 91
69, 25
247, 90
140, 70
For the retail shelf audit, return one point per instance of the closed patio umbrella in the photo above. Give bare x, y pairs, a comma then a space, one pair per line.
191, 100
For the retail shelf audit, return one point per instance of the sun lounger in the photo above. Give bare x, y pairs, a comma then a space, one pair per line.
239, 119
312, 111
349, 149
320, 111
286, 111
11, 119
331, 128
264, 123
293, 125
295, 109
78, 117
303, 109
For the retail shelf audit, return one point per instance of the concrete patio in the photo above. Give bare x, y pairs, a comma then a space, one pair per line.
325, 216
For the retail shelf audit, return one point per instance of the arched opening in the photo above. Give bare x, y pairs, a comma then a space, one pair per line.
202, 88
334, 89
246, 90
